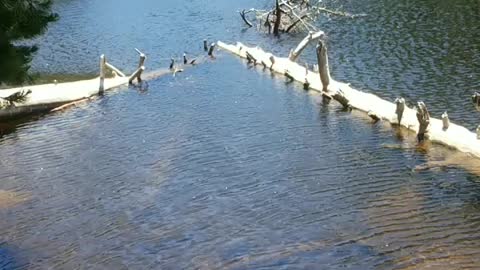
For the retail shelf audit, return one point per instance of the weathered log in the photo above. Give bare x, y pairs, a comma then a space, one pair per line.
101, 88
400, 108
423, 118
445, 121
456, 136
278, 19
323, 65
113, 68
136, 75
242, 14
303, 44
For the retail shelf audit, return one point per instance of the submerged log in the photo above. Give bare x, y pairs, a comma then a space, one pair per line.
455, 136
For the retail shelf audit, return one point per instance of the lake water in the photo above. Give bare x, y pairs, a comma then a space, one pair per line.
228, 167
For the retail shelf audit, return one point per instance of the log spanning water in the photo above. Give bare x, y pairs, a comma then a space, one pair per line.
41, 98
15, 102
397, 113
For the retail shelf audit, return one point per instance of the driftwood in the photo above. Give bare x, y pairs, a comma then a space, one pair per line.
397, 113
242, 14
290, 16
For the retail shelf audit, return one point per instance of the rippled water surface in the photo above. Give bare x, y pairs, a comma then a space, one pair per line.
228, 167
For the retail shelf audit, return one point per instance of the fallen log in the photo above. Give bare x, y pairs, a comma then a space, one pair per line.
397, 113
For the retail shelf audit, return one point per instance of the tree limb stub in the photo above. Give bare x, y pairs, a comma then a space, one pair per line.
400, 108
303, 44
423, 118
322, 59
101, 88
278, 18
445, 121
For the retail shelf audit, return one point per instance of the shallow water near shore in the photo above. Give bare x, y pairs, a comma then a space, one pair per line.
225, 166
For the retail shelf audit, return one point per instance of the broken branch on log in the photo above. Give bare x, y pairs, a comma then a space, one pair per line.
423, 119
303, 44
242, 14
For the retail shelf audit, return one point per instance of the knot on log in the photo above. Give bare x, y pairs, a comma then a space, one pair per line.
423, 118
445, 121
400, 103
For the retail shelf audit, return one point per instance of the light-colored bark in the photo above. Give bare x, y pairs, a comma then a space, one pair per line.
303, 44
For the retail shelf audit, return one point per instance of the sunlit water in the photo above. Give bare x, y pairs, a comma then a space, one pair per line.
228, 167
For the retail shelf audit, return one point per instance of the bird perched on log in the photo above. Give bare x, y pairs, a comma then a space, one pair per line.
185, 61
172, 63
18, 97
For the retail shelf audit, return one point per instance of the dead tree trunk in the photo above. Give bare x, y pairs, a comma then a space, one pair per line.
278, 19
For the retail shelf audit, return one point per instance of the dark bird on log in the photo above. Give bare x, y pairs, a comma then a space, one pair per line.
185, 61
193, 61
19, 97
172, 63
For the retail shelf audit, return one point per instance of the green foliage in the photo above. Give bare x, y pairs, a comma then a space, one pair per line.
20, 20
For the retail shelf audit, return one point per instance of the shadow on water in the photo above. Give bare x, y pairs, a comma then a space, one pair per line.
9, 258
